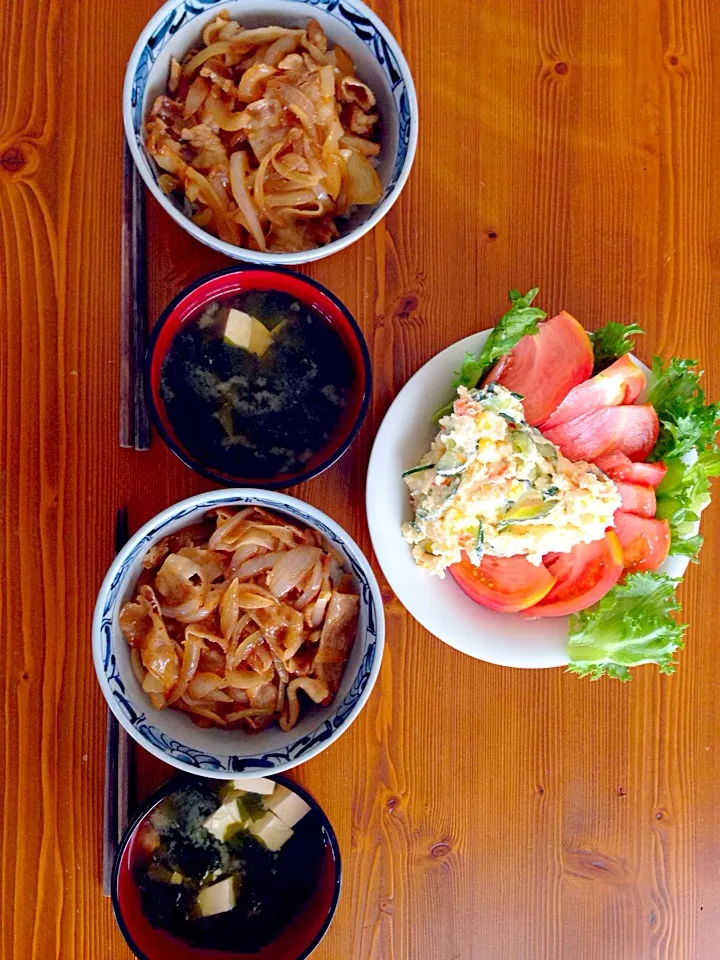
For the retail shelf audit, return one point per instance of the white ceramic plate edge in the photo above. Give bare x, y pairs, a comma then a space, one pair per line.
546, 638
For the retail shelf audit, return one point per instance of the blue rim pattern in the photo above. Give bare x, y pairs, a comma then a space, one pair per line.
341, 10
261, 761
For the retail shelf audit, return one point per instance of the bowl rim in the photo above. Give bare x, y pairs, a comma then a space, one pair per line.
116, 574
180, 780
184, 455
244, 253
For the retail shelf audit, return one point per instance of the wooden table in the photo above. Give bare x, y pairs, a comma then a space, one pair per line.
482, 812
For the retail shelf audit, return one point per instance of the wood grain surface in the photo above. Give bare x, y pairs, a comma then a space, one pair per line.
483, 813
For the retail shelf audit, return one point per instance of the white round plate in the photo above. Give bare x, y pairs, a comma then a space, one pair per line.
440, 605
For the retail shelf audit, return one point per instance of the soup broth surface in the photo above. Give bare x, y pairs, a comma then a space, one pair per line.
250, 413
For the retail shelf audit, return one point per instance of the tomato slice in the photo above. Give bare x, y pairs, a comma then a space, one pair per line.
633, 430
620, 384
619, 467
637, 498
545, 366
645, 542
506, 584
582, 577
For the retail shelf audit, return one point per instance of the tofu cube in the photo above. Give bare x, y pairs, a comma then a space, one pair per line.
286, 805
271, 831
217, 898
242, 330
255, 785
223, 820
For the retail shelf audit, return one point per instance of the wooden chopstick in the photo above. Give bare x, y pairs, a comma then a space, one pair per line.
134, 421
127, 359
118, 762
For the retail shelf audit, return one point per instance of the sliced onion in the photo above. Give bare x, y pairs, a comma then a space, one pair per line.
212, 29
311, 588
258, 537
248, 87
229, 529
203, 684
286, 533
249, 712
206, 191
293, 167
287, 574
246, 679
151, 684
254, 600
315, 52
291, 198
196, 95
255, 565
214, 50
259, 191
280, 49
189, 706
217, 696
191, 659
229, 609
244, 552
359, 145
244, 649
305, 119
280, 702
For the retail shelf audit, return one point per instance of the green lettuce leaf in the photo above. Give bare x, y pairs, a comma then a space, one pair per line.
520, 320
681, 496
632, 624
612, 341
687, 421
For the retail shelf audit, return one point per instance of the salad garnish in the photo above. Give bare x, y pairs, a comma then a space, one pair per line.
687, 421
611, 342
682, 495
520, 320
632, 624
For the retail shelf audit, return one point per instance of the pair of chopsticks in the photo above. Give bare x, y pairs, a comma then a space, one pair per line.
118, 762
134, 422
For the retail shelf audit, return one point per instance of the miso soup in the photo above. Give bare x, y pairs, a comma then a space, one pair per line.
256, 385
224, 868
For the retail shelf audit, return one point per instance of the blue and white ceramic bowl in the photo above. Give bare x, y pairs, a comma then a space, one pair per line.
377, 56
170, 734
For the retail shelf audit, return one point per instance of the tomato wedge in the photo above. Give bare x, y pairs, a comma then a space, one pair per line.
633, 430
620, 384
645, 542
582, 577
636, 498
506, 584
619, 467
545, 366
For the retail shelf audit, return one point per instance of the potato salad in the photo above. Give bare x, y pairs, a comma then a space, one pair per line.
492, 484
